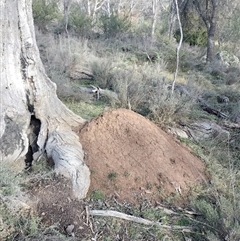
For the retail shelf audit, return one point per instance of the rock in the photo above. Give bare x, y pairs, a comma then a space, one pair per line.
203, 130
178, 132
226, 58
69, 230
222, 99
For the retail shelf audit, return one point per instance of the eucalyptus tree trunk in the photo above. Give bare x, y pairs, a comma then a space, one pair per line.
208, 11
33, 120
155, 8
178, 47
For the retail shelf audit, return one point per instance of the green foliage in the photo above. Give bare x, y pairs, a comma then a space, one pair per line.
97, 195
114, 24
209, 212
9, 182
16, 218
79, 22
194, 30
230, 31
86, 110
101, 71
193, 36
45, 13
27, 226
153, 214
112, 176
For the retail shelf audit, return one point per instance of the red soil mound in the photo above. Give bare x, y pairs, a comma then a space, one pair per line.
129, 156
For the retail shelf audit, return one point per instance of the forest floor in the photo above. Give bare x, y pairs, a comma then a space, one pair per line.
132, 161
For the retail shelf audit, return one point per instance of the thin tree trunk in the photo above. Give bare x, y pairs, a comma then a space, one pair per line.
172, 20
210, 42
27, 94
66, 5
209, 17
155, 15
178, 47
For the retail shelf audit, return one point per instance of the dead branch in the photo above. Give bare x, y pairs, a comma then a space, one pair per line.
88, 221
203, 103
206, 107
231, 125
90, 76
115, 214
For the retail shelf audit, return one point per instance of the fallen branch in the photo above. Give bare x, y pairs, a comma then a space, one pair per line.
115, 214
181, 211
90, 76
206, 107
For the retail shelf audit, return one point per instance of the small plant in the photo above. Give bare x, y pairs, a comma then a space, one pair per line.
112, 176
136, 179
97, 195
8, 182
114, 24
79, 21
149, 186
126, 174
44, 13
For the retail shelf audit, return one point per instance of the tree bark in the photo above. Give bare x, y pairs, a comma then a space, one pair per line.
208, 13
210, 41
27, 94
178, 47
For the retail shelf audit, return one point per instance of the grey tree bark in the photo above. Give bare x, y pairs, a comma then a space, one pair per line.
32, 119
208, 12
178, 47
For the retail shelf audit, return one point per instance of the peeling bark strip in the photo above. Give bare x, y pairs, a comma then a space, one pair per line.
27, 92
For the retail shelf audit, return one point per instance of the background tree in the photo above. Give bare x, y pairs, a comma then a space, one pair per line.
207, 16
208, 11
33, 120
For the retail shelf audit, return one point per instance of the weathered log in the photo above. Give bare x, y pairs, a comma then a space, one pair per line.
115, 214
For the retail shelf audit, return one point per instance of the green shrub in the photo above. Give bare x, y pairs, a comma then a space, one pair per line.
79, 22
209, 212
114, 24
101, 71
194, 30
45, 13
193, 36
97, 195
112, 176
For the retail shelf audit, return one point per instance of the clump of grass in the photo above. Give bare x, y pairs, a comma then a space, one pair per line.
112, 176
97, 195
9, 182
126, 174
86, 110
16, 215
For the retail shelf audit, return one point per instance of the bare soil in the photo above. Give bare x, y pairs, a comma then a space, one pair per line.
131, 160
129, 156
